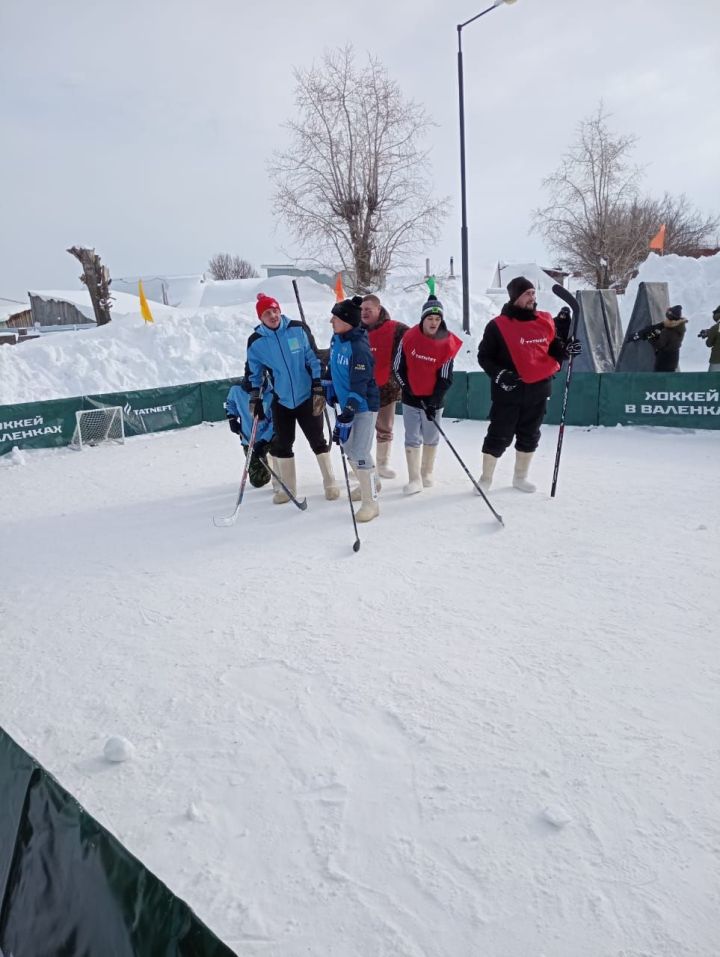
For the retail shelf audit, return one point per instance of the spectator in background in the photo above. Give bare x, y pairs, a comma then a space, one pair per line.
712, 341
666, 338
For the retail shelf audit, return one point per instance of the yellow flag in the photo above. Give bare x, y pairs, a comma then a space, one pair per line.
144, 308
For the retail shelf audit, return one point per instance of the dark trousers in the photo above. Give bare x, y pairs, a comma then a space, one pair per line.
517, 414
284, 421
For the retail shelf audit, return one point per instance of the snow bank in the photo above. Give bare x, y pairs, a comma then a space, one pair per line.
692, 283
208, 341
190, 345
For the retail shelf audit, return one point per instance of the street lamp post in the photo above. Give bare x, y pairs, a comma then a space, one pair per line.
463, 190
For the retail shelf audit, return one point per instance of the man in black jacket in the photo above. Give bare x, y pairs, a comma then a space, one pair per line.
521, 350
666, 338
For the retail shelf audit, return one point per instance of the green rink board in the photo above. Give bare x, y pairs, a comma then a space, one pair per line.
689, 400
38, 425
582, 407
456, 405
212, 397
154, 410
679, 400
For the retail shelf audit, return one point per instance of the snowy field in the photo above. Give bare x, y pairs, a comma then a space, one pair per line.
464, 741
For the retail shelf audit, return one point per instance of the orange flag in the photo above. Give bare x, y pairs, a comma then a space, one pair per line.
339, 291
658, 240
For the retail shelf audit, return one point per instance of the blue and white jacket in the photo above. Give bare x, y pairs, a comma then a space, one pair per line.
238, 404
287, 355
352, 369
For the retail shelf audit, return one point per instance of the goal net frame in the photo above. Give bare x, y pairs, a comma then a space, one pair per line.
107, 424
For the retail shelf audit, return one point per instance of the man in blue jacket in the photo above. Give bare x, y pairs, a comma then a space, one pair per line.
280, 346
352, 369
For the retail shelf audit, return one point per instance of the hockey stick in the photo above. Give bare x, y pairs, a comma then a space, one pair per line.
300, 503
313, 346
356, 543
497, 515
227, 520
567, 297
306, 327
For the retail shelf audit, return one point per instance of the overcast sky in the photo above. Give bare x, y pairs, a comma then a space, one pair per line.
144, 128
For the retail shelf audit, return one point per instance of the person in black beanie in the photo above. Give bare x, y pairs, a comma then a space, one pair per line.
355, 390
521, 350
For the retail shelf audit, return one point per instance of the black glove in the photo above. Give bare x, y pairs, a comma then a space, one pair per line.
430, 411
347, 415
318, 397
261, 448
573, 347
234, 424
507, 380
256, 406
562, 322
703, 334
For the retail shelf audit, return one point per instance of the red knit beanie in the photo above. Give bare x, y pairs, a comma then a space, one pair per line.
265, 302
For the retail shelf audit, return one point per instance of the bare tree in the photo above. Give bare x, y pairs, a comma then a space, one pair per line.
353, 184
97, 279
597, 222
226, 266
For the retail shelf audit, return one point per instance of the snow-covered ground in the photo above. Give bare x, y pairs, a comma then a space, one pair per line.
355, 755
208, 341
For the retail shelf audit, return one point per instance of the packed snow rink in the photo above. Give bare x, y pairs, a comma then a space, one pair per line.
463, 740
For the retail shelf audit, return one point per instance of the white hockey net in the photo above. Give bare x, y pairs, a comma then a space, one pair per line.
93, 426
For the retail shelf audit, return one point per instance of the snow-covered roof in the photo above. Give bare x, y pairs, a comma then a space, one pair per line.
123, 304
10, 307
181, 291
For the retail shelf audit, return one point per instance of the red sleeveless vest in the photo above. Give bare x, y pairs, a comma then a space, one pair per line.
425, 357
528, 344
381, 343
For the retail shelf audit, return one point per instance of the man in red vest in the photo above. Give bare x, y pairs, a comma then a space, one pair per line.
521, 351
384, 334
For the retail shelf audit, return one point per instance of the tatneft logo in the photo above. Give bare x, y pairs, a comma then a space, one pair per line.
532, 342
419, 355
128, 409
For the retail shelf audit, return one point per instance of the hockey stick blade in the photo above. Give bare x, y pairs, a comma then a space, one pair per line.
562, 293
225, 521
300, 503
465, 469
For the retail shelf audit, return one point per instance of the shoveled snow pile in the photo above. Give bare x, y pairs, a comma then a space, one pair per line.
199, 344
208, 342
692, 283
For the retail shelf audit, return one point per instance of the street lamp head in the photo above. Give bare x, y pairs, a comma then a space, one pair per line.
499, 3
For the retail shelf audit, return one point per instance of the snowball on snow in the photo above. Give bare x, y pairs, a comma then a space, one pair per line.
556, 815
118, 749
